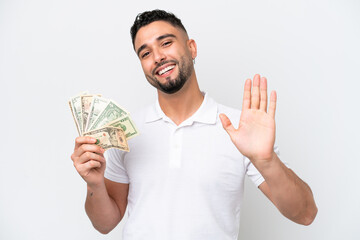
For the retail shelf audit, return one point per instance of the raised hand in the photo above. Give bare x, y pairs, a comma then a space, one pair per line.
255, 136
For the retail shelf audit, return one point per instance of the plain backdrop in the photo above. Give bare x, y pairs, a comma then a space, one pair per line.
51, 50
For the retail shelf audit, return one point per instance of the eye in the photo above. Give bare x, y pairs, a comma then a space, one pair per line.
145, 54
167, 43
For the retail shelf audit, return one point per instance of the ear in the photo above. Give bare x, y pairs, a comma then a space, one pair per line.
192, 47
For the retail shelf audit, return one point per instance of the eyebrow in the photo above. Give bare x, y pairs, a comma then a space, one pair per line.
157, 39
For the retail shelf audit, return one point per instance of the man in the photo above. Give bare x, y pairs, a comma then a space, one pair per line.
184, 176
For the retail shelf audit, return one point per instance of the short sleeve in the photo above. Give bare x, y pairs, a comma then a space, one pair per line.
253, 173
115, 167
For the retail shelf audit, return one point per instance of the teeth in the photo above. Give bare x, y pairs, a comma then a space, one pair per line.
166, 69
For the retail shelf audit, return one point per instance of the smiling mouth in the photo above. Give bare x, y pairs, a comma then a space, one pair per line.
165, 70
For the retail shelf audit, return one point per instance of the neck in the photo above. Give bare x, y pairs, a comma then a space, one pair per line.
183, 104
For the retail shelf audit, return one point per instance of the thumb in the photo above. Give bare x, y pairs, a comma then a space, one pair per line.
227, 125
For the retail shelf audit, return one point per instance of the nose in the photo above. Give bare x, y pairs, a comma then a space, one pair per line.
159, 56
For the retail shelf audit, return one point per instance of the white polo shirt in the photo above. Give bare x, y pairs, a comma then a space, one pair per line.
186, 182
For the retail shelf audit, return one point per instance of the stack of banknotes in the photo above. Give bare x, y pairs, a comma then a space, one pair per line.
102, 119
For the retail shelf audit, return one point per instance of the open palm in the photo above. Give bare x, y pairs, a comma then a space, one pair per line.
255, 136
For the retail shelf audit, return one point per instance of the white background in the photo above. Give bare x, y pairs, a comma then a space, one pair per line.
51, 50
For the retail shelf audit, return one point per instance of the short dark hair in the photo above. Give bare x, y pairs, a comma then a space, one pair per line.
145, 18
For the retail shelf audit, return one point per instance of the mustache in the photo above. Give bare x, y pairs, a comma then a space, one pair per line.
161, 64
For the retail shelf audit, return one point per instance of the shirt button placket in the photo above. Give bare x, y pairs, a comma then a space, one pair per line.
175, 148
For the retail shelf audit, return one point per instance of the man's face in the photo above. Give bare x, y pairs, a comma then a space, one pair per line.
166, 55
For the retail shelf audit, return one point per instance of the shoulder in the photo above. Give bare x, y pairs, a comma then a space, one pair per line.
140, 114
232, 113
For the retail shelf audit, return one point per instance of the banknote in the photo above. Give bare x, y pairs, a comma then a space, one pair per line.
85, 109
75, 105
127, 125
109, 137
111, 112
103, 119
97, 106
75, 118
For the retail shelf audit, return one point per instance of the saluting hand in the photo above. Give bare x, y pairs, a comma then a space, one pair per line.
255, 136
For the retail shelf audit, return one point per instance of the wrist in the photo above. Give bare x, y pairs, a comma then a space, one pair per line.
265, 164
91, 187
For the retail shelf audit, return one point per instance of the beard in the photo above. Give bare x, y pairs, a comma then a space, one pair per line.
173, 85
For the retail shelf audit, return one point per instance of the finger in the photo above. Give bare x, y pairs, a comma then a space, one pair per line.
227, 125
88, 156
92, 164
84, 169
272, 105
255, 93
88, 148
263, 94
247, 95
84, 139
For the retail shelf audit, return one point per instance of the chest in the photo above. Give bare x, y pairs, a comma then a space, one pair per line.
200, 157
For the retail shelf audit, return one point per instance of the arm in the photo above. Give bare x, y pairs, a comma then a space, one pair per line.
106, 200
255, 138
106, 204
291, 195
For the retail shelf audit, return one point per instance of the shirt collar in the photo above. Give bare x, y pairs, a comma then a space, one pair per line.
207, 113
